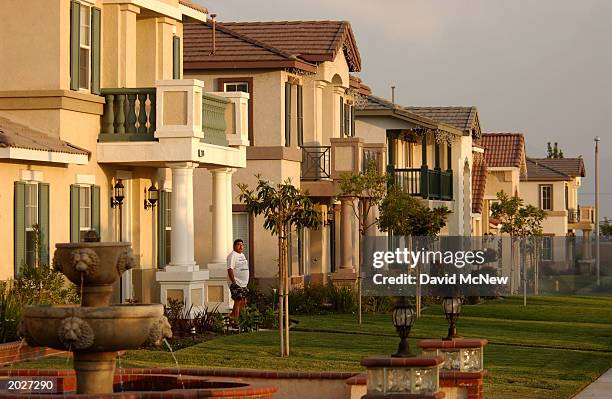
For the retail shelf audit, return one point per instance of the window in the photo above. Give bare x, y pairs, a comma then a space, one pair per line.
85, 47
546, 197
84, 208
547, 248
31, 219
236, 86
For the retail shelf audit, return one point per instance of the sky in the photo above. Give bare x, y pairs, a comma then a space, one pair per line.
539, 67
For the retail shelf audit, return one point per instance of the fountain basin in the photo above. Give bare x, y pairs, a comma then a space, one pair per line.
99, 329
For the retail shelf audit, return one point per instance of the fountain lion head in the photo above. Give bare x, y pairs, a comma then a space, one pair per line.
126, 261
75, 333
85, 260
158, 332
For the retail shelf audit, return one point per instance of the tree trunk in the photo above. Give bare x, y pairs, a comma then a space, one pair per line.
286, 262
281, 297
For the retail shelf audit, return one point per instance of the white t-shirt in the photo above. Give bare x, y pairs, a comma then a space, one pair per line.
240, 265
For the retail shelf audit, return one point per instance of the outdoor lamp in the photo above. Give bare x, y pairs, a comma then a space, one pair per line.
452, 307
403, 318
117, 198
151, 197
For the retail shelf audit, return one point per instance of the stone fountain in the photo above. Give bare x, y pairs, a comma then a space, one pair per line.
96, 330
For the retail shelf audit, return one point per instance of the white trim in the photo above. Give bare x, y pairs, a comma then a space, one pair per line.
478, 149
503, 168
31, 175
86, 179
43, 156
153, 5
195, 14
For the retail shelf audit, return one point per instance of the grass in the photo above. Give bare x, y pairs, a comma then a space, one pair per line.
549, 350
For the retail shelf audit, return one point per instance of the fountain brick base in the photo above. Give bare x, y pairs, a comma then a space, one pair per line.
142, 384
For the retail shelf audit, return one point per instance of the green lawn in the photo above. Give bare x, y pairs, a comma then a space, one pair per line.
551, 349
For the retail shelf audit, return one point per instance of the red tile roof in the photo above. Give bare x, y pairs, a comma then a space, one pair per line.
268, 42
503, 149
479, 181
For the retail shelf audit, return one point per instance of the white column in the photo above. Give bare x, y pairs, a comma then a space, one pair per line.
183, 257
220, 178
230, 202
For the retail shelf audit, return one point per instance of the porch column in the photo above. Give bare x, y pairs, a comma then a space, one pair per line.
586, 244
230, 202
182, 257
220, 178
346, 234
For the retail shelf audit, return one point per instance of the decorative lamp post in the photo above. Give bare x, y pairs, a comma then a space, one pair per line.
118, 194
403, 318
452, 307
151, 197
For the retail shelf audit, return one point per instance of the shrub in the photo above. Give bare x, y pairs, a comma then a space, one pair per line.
249, 319
208, 320
10, 313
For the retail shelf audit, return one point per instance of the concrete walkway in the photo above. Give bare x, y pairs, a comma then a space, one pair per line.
601, 388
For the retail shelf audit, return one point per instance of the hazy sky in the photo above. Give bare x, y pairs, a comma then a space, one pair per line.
540, 67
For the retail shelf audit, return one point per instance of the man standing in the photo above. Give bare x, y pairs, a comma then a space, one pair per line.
238, 273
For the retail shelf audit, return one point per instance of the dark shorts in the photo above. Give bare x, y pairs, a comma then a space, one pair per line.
238, 293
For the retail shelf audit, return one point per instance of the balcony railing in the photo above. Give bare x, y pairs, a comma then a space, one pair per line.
573, 216
316, 162
129, 114
213, 119
425, 183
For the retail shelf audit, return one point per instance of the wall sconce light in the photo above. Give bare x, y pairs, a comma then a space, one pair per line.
151, 197
116, 199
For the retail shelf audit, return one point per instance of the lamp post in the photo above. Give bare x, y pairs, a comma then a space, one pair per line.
116, 201
452, 307
597, 140
403, 318
151, 197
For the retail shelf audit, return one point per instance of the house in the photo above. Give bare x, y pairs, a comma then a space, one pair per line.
552, 184
98, 130
428, 158
504, 156
302, 129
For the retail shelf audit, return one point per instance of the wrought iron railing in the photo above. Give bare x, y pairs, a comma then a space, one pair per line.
573, 215
369, 156
128, 115
316, 162
424, 182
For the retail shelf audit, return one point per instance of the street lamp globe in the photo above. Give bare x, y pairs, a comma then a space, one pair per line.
452, 307
403, 318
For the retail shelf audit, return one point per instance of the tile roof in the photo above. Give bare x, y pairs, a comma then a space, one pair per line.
197, 7
309, 41
503, 149
375, 103
570, 166
463, 118
554, 169
15, 135
357, 84
479, 181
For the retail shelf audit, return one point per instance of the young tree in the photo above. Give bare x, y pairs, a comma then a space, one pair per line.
368, 188
518, 221
554, 153
605, 229
283, 207
404, 215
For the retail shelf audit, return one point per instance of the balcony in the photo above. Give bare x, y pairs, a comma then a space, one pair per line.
175, 121
426, 183
581, 218
316, 163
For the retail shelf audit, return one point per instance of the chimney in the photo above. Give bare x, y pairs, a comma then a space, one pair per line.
214, 34
393, 94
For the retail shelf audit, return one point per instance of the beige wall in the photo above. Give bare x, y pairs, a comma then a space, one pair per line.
556, 220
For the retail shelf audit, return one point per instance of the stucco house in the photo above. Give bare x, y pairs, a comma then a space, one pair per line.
100, 106
302, 103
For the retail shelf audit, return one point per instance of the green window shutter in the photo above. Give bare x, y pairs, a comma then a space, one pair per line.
176, 57
43, 222
74, 213
19, 225
161, 229
300, 116
95, 50
95, 208
353, 120
75, 21
341, 117
287, 114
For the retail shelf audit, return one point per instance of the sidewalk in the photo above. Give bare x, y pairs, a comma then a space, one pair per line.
601, 388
